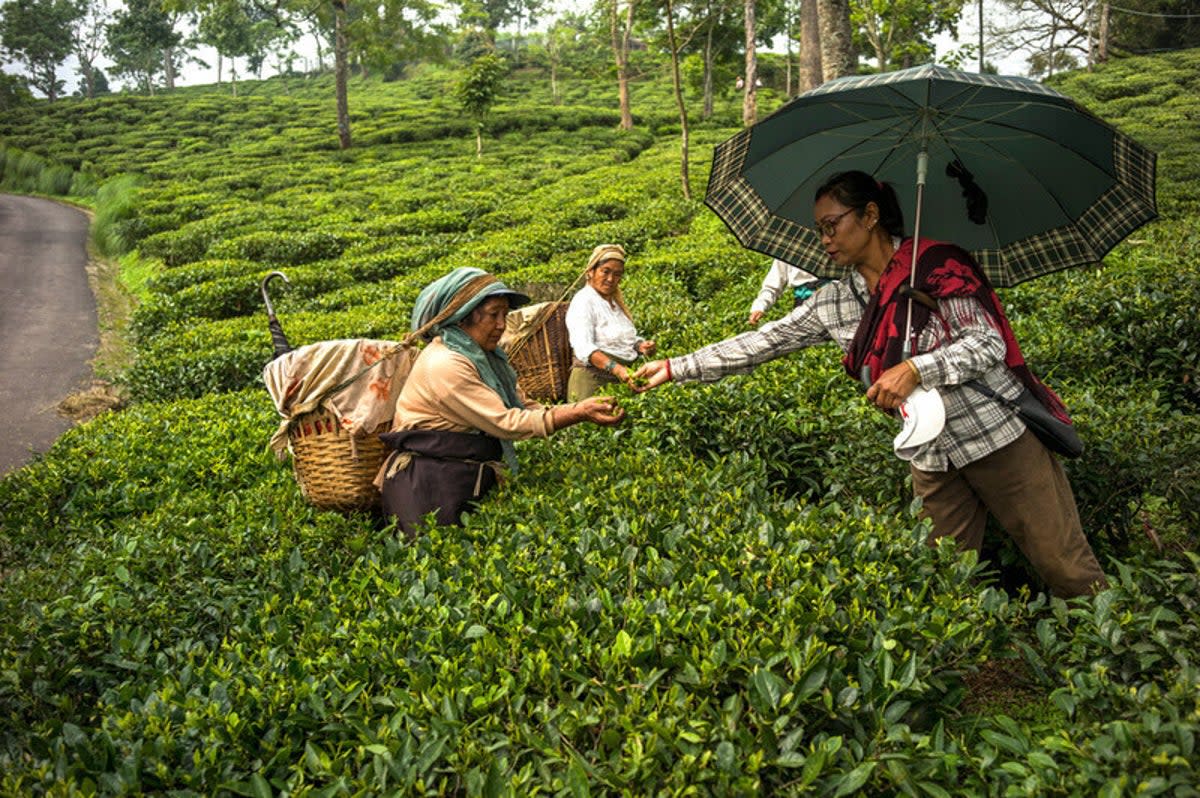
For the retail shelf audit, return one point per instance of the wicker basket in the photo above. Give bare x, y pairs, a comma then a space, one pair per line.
542, 356
335, 470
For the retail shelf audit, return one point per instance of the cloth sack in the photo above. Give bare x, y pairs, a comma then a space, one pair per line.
1055, 434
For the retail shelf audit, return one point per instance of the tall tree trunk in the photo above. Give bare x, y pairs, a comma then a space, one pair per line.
620, 44
788, 80
981, 61
220, 64
750, 98
233, 74
1102, 33
837, 48
169, 67
89, 77
552, 49
341, 67
708, 69
810, 46
683, 120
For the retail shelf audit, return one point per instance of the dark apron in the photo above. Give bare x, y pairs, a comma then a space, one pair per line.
448, 472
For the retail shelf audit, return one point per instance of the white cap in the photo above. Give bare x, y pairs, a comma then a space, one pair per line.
924, 417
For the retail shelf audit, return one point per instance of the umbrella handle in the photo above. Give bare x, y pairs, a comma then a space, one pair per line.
263, 288
279, 341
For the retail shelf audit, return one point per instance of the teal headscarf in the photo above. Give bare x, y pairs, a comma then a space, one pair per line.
493, 367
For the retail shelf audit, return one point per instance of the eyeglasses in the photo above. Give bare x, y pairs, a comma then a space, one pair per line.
828, 227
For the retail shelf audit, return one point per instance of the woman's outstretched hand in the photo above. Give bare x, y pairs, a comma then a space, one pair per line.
602, 410
654, 373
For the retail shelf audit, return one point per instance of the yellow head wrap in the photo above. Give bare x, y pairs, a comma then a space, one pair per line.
606, 252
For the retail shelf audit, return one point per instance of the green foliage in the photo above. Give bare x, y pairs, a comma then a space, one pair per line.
27, 172
116, 204
728, 594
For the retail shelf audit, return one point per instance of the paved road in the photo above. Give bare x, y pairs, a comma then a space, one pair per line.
48, 329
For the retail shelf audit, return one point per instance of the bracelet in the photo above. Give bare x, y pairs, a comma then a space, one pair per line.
668, 364
916, 373
610, 365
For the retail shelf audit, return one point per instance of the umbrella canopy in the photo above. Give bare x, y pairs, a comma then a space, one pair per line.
1062, 186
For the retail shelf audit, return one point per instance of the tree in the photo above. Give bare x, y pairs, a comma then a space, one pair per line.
237, 30
810, 46
142, 41
559, 41
38, 34
621, 29
900, 32
1060, 34
87, 37
720, 34
1055, 33
478, 90
838, 57
750, 90
683, 120
13, 92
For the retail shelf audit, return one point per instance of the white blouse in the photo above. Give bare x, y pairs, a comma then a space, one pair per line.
595, 323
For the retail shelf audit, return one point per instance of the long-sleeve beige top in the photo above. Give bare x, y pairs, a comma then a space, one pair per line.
444, 392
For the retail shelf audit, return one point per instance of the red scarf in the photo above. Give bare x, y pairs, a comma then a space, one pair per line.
943, 271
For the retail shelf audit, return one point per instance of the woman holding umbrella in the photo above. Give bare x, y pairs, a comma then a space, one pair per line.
461, 408
984, 460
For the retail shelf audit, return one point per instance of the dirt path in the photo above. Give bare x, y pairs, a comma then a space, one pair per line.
48, 328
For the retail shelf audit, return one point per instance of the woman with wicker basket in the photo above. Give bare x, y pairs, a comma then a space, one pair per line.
460, 408
603, 338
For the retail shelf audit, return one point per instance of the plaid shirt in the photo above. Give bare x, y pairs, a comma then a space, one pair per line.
962, 344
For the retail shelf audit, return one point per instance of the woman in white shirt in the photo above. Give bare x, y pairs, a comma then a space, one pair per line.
780, 276
603, 338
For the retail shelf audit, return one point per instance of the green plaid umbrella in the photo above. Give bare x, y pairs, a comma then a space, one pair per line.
1062, 187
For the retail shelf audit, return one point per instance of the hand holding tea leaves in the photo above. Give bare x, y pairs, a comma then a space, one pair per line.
651, 375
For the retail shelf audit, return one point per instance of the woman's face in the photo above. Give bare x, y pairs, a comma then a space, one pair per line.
606, 276
843, 230
486, 323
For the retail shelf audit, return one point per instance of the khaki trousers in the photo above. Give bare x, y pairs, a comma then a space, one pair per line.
1025, 487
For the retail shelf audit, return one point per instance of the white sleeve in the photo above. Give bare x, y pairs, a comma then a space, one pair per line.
581, 328
772, 286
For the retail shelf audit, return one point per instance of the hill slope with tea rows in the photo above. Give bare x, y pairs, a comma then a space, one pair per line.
728, 594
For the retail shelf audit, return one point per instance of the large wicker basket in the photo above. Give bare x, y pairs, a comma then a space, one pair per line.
335, 470
541, 353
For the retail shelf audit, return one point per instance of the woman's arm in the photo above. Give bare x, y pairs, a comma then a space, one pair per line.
974, 344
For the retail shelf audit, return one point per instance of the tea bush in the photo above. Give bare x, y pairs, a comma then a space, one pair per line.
727, 594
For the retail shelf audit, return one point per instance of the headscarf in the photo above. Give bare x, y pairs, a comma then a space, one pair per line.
469, 287
943, 270
601, 254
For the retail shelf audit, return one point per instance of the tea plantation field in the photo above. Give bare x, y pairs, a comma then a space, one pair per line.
727, 595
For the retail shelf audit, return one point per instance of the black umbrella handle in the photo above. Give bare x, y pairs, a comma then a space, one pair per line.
278, 339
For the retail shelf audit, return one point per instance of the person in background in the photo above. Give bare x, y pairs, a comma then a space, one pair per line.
984, 461
461, 408
780, 276
600, 327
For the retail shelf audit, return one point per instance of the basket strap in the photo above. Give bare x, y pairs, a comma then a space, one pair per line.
464, 295
517, 345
